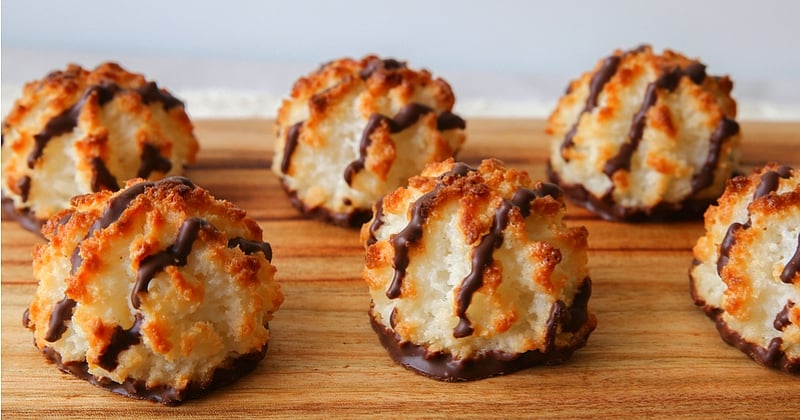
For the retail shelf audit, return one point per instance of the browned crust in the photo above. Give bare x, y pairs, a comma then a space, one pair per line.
766, 202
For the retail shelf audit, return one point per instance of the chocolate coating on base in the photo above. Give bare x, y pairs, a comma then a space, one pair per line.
444, 367
291, 143
349, 220
772, 356
606, 208
782, 319
24, 217
229, 373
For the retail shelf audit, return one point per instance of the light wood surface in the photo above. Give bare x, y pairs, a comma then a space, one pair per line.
652, 354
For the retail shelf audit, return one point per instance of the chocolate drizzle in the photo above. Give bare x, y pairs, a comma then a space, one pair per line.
768, 184
152, 161
102, 179
175, 254
449, 121
727, 243
769, 181
375, 121
250, 247
667, 81
412, 233
599, 80
75, 260
24, 186
403, 241
150, 92
377, 222
67, 120
376, 64
405, 118
121, 340
772, 354
62, 312
725, 129
482, 254
292, 138
792, 266
116, 206
782, 319
105, 92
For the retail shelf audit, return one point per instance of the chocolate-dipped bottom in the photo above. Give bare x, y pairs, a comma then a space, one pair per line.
231, 371
353, 219
159, 292
354, 130
444, 367
608, 209
473, 273
78, 131
645, 136
771, 356
24, 217
744, 274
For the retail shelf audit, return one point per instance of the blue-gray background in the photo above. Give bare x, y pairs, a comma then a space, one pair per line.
510, 49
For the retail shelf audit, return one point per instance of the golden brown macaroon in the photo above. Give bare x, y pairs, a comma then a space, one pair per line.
157, 292
644, 136
473, 273
78, 131
746, 272
354, 130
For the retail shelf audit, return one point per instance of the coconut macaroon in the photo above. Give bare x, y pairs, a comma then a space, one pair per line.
78, 131
644, 136
354, 130
473, 273
746, 272
157, 292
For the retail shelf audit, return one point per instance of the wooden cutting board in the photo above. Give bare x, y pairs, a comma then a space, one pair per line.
652, 354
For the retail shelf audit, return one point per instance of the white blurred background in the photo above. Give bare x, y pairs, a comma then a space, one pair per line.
503, 58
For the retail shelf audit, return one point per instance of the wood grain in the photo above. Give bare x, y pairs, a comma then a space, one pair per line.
653, 353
